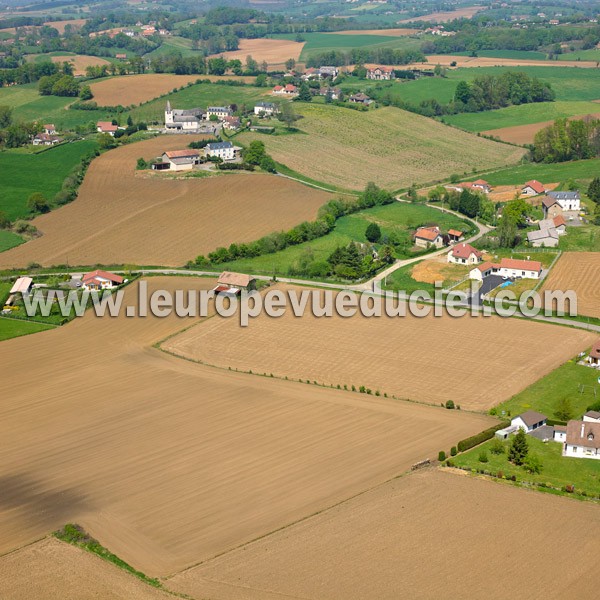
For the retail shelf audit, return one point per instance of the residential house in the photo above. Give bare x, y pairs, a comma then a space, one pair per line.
106, 127
219, 111
121, 56
593, 357
551, 207
179, 160
230, 283
560, 433
101, 280
592, 416
464, 254
455, 236
529, 421
482, 185
50, 129
232, 123
332, 72
360, 98
473, 186
286, 90
222, 150
533, 188
188, 120
311, 73
426, 237
509, 268
265, 109
567, 200
333, 93
381, 73
582, 440
44, 139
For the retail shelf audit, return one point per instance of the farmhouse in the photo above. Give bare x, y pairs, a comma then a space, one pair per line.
222, 150
106, 127
179, 160
582, 440
566, 200
219, 111
232, 123
333, 93
551, 208
265, 108
481, 184
230, 283
332, 72
455, 236
50, 129
593, 357
360, 98
183, 120
509, 268
45, 139
429, 236
101, 280
287, 90
381, 73
532, 188
464, 254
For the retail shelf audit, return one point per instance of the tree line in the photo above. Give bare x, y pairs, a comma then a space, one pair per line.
567, 140
381, 56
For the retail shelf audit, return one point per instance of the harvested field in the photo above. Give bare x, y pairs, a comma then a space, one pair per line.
174, 462
444, 17
60, 25
525, 134
578, 271
389, 32
399, 537
445, 60
50, 569
274, 51
407, 148
124, 216
438, 269
80, 62
391, 356
135, 89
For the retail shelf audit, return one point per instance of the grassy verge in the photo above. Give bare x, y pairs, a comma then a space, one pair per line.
75, 535
557, 471
312, 182
12, 328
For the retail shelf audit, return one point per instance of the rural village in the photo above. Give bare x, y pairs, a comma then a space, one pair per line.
444, 153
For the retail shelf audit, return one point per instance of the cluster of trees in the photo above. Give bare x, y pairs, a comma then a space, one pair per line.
380, 56
355, 261
27, 73
59, 84
470, 204
256, 154
567, 140
14, 134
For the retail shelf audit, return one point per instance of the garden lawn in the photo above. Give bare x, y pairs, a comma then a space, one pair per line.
10, 328
544, 395
401, 281
557, 470
23, 174
581, 239
400, 218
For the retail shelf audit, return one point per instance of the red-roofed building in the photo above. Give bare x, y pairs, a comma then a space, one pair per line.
464, 254
594, 355
533, 188
106, 127
481, 184
50, 129
455, 235
381, 73
101, 280
510, 268
429, 236
287, 90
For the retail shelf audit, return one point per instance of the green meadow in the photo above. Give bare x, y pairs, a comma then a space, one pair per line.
8, 240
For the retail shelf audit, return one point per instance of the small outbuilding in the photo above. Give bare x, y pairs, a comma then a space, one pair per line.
231, 283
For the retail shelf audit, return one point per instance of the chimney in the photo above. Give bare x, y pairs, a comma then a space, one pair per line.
582, 428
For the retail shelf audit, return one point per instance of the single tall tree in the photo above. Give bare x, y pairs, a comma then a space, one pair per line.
518, 449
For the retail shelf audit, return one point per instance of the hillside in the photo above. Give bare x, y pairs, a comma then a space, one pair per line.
392, 147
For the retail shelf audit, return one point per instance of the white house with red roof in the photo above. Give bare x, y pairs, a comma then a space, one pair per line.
593, 357
50, 129
286, 90
533, 188
106, 127
511, 268
455, 235
464, 254
381, 73
101, 280
426, 237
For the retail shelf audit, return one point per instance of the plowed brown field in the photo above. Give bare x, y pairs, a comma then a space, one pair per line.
121, 216
471, 360
395, 542
578, 271
135, 89
167, 462
275, 52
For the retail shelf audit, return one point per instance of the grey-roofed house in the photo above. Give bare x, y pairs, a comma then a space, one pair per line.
219, 111
529, 420
582, 440
222, 150
543, 238
567, 200
265, 108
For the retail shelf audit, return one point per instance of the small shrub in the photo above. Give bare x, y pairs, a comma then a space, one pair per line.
483, 457
450, 405
496, 447
453, 451
500, 475
441, 456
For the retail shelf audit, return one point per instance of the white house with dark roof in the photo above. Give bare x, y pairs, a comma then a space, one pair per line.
592, 416
219, 111
566, 200
593, 358
265, 108
582, 440
222, 150
529, 421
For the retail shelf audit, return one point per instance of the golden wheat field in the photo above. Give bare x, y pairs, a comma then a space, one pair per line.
273, 51
470, 360
167, 462
430, 534
580, 272
129, 90
340, 148
126, 216
80, 62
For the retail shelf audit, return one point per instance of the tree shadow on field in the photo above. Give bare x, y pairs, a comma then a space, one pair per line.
36, 503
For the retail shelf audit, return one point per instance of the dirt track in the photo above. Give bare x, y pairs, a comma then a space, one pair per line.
121, 216
427, 535
167, 462
470, 360
578, 271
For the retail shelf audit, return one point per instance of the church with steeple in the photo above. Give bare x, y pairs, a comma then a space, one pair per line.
188, 121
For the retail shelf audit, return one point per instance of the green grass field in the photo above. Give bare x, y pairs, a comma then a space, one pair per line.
582, 171
400, 218
204, 94
514, 54
8, 240
11, 328
591, 54
557, 470
23, 174
524, 114
174, 45
544, 395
